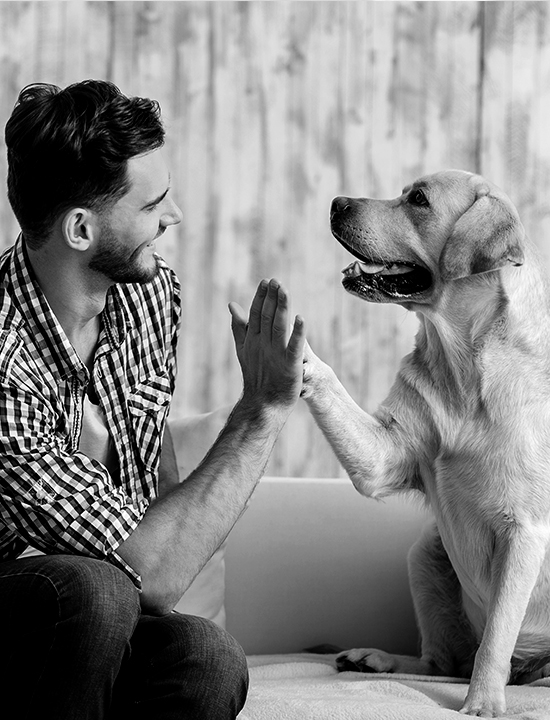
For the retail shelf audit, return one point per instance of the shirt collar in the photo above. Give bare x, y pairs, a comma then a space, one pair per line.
117, 318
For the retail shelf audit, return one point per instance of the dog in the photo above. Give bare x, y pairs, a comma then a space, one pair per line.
466, 423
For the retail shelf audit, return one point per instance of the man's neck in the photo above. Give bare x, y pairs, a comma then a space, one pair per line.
76, 297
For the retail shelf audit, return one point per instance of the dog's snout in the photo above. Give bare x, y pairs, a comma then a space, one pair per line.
339, 205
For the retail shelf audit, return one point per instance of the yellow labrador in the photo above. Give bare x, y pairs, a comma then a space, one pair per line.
467, 423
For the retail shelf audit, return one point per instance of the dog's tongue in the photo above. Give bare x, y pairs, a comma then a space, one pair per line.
356, 268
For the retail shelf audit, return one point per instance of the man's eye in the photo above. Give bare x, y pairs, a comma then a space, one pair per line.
417, 197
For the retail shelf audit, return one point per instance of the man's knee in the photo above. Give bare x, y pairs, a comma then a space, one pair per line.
222, 692
223, 685
100, 596
204, 641
214, 682
91, 594
67, 626
217, 650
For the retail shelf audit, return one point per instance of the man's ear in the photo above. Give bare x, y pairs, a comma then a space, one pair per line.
488, 236
79, 228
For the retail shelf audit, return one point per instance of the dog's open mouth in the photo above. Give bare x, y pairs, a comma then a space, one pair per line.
394, 279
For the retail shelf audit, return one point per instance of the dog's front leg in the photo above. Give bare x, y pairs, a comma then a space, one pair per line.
518, 558
373, 453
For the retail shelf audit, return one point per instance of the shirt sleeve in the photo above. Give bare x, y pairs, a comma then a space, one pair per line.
56, 500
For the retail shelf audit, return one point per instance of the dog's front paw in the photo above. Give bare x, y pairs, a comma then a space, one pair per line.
317, 376
365, 660
484, 705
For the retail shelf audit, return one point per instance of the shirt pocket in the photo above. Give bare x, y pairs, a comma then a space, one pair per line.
148, 404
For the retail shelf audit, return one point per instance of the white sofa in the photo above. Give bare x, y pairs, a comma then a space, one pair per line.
311, 562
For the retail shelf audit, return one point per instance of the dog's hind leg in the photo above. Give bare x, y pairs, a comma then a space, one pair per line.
528, 671
448, 641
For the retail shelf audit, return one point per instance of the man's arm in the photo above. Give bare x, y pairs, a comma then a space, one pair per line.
186, 442
180, 531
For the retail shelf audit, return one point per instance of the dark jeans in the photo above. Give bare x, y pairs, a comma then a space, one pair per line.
75, 646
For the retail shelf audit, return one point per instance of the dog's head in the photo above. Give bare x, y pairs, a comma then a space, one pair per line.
443, 227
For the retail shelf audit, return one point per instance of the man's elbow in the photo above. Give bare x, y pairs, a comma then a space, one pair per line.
161, 592
157, 603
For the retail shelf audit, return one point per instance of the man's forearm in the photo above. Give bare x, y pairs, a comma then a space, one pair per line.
181, 530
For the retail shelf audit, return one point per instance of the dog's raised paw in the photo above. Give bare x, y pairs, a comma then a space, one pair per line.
365, 660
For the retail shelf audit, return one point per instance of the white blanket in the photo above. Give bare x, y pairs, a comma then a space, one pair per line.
308, 687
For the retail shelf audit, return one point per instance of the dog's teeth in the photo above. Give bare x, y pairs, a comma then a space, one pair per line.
353, 270
396, 270
370, 268
357, 268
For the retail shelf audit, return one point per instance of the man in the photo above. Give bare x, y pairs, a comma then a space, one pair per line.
89, 318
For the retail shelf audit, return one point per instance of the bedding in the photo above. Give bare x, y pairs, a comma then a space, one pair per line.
306, 686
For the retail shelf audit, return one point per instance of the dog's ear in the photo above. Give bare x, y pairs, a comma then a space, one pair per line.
488, 236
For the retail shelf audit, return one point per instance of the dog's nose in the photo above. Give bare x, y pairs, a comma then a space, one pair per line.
339, 205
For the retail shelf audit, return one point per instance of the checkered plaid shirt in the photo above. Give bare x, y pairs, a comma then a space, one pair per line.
52, 496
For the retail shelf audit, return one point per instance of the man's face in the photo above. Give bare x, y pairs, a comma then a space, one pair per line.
126, 245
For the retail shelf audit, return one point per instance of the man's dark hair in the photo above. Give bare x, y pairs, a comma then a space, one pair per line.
69, 148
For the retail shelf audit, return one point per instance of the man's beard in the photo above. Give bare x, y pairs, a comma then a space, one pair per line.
112, 260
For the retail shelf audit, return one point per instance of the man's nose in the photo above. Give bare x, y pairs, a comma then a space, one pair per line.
172, 216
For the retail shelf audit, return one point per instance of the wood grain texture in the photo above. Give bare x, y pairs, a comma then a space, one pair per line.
272, 109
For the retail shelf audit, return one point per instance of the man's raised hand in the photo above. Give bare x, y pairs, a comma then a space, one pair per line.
270, 359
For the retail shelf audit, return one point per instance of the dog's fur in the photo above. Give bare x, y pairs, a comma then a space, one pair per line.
467, 423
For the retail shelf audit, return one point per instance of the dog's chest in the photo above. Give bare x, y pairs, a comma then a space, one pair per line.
464, 523
488, 472
487, 476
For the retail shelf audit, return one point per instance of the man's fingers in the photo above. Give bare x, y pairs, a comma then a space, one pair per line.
269, 308
238, 322
255, 318
279, 325
269, 317
297, 341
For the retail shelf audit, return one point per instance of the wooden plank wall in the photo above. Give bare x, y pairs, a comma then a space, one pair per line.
272, 109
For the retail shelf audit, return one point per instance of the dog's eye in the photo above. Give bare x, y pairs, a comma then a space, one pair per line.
417, 197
